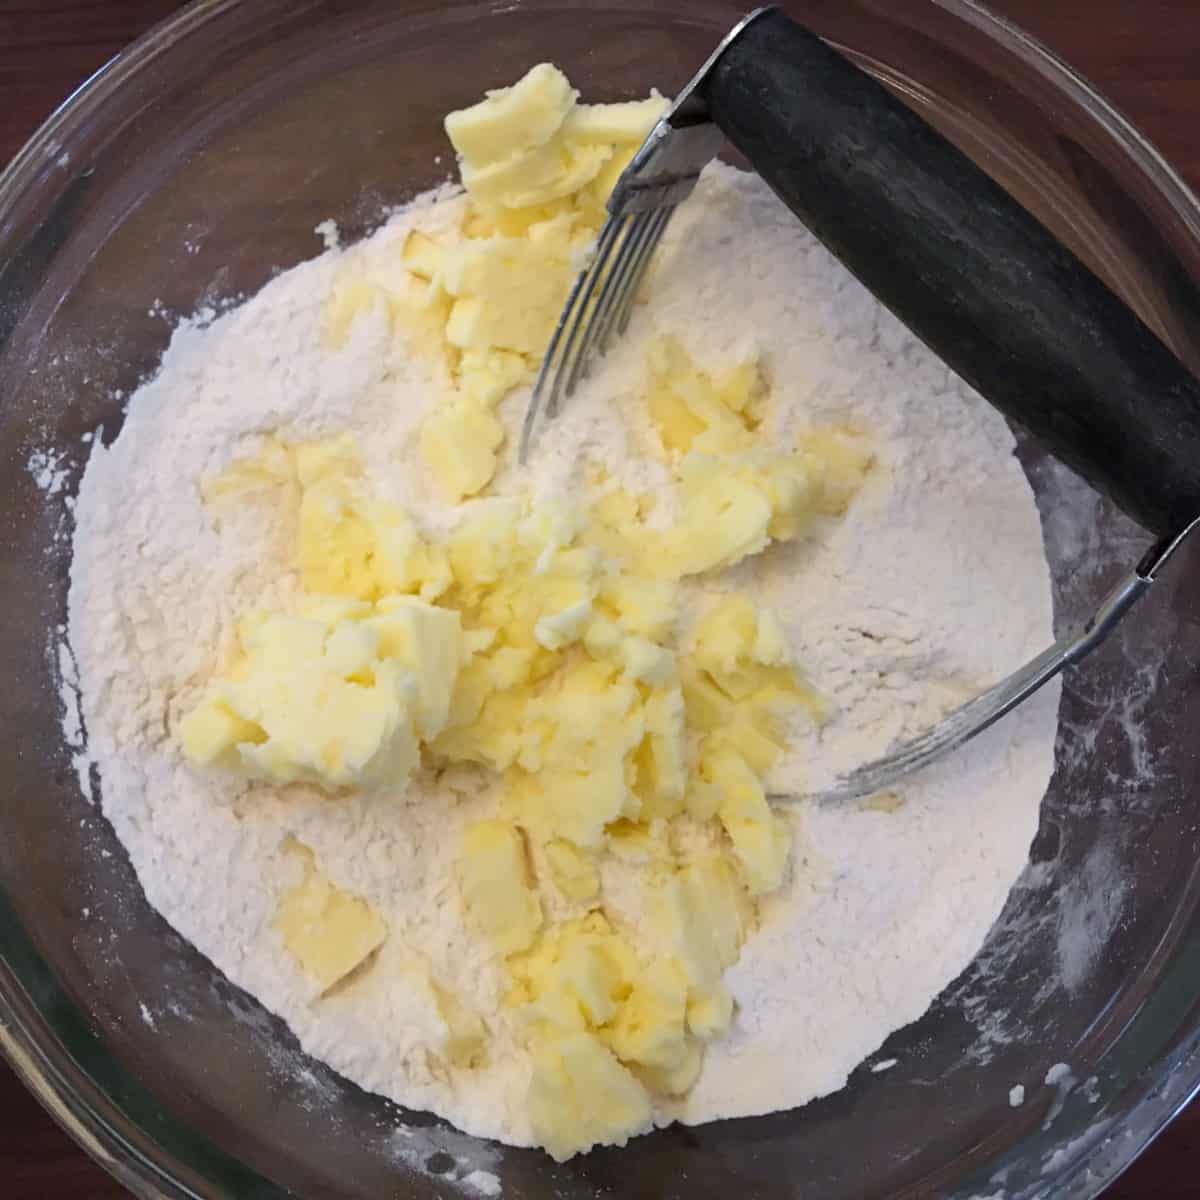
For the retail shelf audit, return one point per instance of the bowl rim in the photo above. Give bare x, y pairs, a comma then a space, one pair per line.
143, 1164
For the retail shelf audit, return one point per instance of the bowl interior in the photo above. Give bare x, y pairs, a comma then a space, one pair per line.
196, 170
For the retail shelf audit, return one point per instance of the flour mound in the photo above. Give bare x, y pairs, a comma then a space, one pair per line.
931, 587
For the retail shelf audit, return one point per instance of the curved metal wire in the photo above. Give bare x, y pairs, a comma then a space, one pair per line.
967, 722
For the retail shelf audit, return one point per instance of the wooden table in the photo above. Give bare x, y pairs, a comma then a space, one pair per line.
1145, 54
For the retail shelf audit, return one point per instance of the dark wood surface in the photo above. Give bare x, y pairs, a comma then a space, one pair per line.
1144, 54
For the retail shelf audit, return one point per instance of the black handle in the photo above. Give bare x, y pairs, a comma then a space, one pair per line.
973, 274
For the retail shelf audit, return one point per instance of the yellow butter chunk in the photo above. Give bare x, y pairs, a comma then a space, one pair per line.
642, 842
349, 543
537, 169
735, 495
581, 1096
754, 726
483, 546
423, 255
615, 124
428, 641
486, 376
736, 506
650, 1027
573, 871
730, 507
532, 143
341, 691
695, 411
575, 977
743, 650
674, 1081
661, 758
536, 177
513, 119
738, 684
726, 517
844, 461
584, 979
212, 732
334, 458
648, 608
309, 701
353, 547
337, 544
761, 840
329, 931
508, 292
459, 444
494, 878
701, 913
568, 623
580, 730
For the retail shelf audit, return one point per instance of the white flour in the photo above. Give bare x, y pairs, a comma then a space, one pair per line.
933, 585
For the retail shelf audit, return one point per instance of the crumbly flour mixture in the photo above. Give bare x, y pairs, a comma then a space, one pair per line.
931, 586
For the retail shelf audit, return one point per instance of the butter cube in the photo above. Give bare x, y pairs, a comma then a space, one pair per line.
646, 607
581, 1096
459, 444
401, 562
673, 1081
311, 701
574, 804
761, 841
702, 915
591, 202
481, 548
573, 871
494, 880
512, 119
560, 629
740, 648
329, 931
627, 122
212, 732
695, 412
509, 291
538, 176
422, 255
336, 542
592, 976
650, 1029
575, 976
725, 517
349, 544
427, 641
661, 759
486, 376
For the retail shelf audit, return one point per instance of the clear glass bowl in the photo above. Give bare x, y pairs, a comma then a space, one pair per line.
195, 167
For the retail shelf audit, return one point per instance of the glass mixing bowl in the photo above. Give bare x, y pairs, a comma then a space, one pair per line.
194, 168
